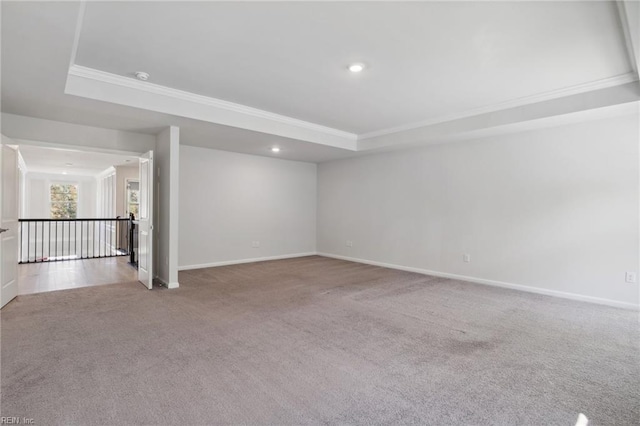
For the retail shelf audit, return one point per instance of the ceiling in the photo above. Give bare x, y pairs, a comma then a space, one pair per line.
424, 59
71, 162
37, 43
244, 76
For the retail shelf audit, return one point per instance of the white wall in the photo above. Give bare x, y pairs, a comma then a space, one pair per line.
229, 200
555, 209
167, 207
37, 188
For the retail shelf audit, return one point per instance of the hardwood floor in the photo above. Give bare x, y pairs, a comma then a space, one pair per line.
50, 276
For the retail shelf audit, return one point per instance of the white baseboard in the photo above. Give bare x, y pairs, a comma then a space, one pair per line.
168, 285
546, 292
239, 261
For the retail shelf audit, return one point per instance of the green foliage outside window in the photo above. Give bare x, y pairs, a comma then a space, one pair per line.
64, 201
133, 193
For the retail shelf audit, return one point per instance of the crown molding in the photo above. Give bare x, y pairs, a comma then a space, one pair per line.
204, 101
84, 174
69, 147
109, 171
629, 21
610, 102
526, 125
106, 77
76, 36
519, 102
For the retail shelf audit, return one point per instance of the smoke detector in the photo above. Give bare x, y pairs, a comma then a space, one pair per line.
141, 75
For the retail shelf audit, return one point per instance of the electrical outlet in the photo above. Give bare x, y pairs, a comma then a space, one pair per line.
631, 277
349, 243
255, 244
466, 257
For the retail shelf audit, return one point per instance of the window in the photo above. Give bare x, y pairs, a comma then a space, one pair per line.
64, 201
133, 190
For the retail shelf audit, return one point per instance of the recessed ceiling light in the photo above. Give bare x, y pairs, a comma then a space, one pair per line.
141, 75
356, 68
64, 173
275, 149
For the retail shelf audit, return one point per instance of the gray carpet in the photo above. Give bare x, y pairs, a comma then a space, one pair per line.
316, 341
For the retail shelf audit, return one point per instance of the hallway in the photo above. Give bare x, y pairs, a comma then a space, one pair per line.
50, 276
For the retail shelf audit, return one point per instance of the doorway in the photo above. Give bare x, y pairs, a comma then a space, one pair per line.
89, 193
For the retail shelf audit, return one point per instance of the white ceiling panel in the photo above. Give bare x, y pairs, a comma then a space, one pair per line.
424, 59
